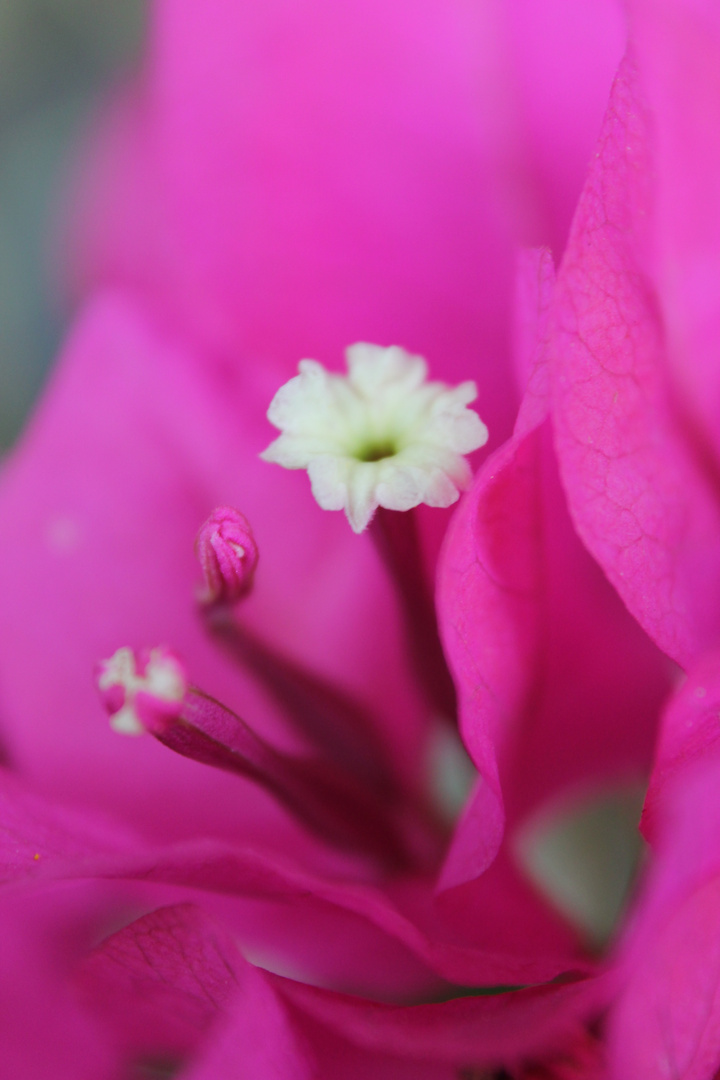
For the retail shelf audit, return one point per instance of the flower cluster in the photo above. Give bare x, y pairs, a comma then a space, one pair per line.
380, 819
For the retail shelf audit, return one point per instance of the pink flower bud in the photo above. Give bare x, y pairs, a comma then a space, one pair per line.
228, 556
141, 689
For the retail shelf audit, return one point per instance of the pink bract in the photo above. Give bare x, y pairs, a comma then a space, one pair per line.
558, 686
633, 333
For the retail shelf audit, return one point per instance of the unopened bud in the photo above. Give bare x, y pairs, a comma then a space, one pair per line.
140, 687
228, 556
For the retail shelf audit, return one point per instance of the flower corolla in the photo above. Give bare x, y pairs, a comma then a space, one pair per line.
383, 436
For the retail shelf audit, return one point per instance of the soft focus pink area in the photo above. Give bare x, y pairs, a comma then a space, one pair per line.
501, 911
335, 1056
667, 1021
558, 47
640, 482
282, 182
43, 1030
288, 181
489, 657
35, 831
534, 288
678, 51
558, 686
580, 1058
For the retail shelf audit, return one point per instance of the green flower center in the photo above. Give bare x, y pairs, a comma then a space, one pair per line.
376, 451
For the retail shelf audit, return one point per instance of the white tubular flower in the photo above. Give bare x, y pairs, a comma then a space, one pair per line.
380, 436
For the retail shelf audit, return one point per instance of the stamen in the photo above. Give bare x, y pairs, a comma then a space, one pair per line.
228, 555
134, 684
382, 436
396, 537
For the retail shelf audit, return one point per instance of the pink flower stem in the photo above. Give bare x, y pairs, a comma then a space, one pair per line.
396, 537
327, 800
337, 724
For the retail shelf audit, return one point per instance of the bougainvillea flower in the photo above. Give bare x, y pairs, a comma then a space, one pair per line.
407, 948
493, 933
279, 186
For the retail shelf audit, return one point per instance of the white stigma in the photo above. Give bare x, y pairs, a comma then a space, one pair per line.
380, 436
159, 674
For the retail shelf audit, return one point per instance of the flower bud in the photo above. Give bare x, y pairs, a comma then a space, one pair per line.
141, 688
228, 556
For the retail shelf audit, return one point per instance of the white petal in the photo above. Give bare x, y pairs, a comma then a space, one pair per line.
362, 495
125, 722
329, 479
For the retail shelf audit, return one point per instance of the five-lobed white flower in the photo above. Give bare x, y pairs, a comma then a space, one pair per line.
381, 436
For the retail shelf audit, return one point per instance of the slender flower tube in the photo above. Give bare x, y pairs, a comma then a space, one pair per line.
397, 538
149, 692
328, 716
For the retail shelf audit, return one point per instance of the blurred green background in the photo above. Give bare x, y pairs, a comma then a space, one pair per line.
57, 59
